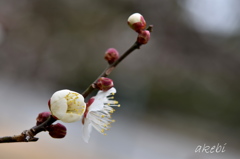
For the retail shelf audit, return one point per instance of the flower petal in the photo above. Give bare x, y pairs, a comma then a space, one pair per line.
70, 117
59, 108
100, 98
86, 130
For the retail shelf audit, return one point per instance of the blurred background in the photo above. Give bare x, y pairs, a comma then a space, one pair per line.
179, 91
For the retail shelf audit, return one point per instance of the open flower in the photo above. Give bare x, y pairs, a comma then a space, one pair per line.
67, 106
98, 113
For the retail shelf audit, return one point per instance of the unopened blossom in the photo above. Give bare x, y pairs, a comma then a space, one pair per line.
57, 131
42, 117
111, 55
143, 37
98, 113
137, 22
67, 106
104, 83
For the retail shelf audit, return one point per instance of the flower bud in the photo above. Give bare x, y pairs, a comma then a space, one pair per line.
111, 55
57, 131
67, 106
104, 83
143, 37
137, 22
42, 117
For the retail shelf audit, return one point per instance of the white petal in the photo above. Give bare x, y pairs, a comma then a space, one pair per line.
59, 108
86, 130
134, 18
58, 95
70, 117
100, 98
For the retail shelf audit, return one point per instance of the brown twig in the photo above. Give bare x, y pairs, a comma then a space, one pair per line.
29, 135
111, 67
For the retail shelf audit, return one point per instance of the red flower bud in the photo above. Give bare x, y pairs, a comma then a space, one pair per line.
104, 83
42, 117
137, 22
57, 131
143, 37
111, 55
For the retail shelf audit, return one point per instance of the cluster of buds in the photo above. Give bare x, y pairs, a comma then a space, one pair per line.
56, 131
137, 22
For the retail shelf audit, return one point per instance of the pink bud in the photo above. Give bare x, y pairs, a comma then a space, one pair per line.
57, 131
143, 37
104, 83
42, 117
137, 22
111, 55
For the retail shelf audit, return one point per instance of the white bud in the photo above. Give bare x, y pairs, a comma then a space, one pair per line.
137, 22
67, 106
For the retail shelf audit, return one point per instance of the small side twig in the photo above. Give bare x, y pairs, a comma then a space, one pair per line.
111, 67
28, 135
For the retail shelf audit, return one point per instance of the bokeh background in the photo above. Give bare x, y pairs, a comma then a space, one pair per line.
179, 91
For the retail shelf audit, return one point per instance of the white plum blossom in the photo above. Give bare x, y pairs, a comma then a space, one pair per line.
67, 106
98, 113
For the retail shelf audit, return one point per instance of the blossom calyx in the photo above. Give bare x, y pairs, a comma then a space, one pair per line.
143, 37
67, 106
57, 131
42, 117
137, 22
104, 83
111, 55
